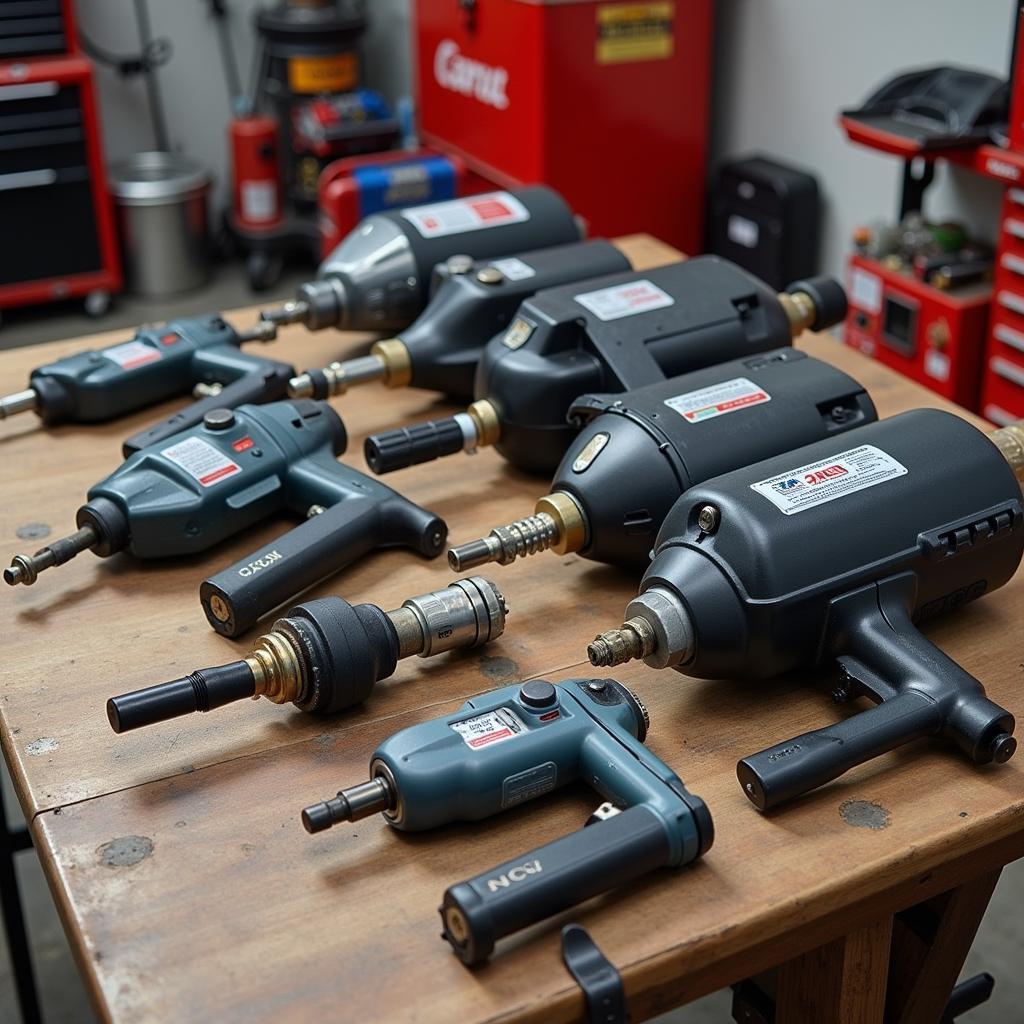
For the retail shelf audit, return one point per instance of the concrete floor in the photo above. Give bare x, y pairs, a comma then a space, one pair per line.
1000, 942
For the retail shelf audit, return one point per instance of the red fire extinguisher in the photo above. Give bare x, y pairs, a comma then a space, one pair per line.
257, 173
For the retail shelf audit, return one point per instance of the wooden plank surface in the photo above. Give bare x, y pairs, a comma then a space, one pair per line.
191, 891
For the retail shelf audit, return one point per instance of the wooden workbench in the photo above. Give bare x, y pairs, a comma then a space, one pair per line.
190, 891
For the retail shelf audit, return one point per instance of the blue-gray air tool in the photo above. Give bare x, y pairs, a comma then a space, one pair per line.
512, 745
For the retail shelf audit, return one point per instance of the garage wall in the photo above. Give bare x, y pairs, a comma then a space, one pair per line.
783, 68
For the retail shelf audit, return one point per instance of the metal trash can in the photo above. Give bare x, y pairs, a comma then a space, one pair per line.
161, 201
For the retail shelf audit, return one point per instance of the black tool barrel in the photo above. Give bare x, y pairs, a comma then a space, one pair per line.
787, 770
551, 879
204, 690
409, 446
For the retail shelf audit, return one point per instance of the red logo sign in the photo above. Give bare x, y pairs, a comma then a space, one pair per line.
820, 476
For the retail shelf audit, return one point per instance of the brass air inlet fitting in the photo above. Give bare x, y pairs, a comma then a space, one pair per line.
395, 357
800, 309
276, 669
486, 421
1010, 442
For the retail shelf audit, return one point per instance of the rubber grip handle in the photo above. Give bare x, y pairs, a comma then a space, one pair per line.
203, 690
409, 446
237, 597
787, 770
551, 879
267, 384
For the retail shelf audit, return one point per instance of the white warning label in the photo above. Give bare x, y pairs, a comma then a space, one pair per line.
202, 461
831, 478
132, 354
514, 269
718, 399
625, 300
490, 727
490, 210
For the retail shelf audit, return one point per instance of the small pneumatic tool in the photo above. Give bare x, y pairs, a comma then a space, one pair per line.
474, 300
326, 655
512, 745
608, 335
191, 491
664, 439
380, 276
199, 355
833, 554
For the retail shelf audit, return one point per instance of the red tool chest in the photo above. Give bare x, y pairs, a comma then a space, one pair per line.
932, 336
605, 101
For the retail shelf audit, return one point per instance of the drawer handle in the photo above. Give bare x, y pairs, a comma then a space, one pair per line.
999, 416
1011, 301
1008, 336
1016, 195
1010, 371
1013, 263
1014, 227
27, 179
28, 90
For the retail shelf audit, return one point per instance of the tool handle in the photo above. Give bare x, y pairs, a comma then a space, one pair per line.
920, 691
787, 770
552, 878
237, 597
409, 446
266, 382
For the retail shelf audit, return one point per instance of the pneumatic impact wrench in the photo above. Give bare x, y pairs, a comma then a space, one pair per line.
380, 276
197, 488
832, 555
507, 747
474, 300
610, 335
200, 355
663, 439
326, 655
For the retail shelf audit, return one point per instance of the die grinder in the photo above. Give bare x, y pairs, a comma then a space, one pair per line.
197, 488
834, 554
199, 355
611, 334
473, 301
379, 276
512, 745
326, 655
664, 439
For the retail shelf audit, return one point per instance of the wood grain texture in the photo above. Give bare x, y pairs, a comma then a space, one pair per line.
222, 908
842, 982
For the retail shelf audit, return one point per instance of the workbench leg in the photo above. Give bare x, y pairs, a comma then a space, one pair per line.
929, 945
14, 919
842, 982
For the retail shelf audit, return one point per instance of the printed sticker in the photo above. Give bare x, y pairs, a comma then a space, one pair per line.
634, 32
485, 211
527, 785
490, 727
625, 300
865, 290
132, 354
202, 461
259, 201
514, 269
831, 478
718, 399
937, 364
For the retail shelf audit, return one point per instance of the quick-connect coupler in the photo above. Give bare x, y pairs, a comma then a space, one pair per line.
326, 655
